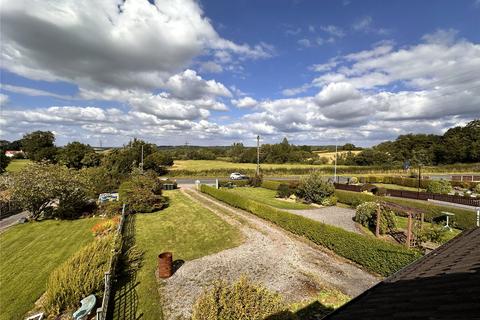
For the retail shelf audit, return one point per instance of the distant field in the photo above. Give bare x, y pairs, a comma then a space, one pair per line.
201, 165
396, 187
17, 165
331, 155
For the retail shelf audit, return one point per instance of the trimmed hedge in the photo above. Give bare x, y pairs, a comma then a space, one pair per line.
463, 219
272, 185
238, 183
375, 255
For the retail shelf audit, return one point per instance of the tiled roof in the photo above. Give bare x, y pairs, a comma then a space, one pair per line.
444, 284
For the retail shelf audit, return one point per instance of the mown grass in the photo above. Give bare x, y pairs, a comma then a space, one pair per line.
267, 196
396, 187
186, 229
29, 253
17, 165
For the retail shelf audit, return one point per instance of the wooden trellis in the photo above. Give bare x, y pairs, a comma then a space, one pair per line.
416, 217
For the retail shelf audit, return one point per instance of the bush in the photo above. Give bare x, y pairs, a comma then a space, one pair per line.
439, 186
434, 233
284, 191
329, 201
158, 162
477, 189
109, 209
314, 188
373, 254
79, 276
366, 215
142, 193
256, 180
106, 227
463, 219
241, 300
271, 184
353, 180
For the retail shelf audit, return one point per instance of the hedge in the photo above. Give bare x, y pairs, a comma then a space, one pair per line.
238, 183
463, 219
272, 185
374, 255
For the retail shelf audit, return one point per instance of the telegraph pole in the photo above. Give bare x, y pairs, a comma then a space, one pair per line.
258, 155
141, 163
335, 168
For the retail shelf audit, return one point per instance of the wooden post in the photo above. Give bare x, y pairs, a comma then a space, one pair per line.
422, 221
377, 224
409, 230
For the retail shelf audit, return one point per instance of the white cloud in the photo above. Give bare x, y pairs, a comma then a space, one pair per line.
247, 102
3, 99
366, 25
52, 40
211, 67
334, 31
305, 43
189, 85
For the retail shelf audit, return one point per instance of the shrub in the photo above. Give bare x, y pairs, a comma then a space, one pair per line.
439, 186
241, 300
353, 180
256, 180
158, 162
477, 189
142, 193
283, 191
375, 255
463, 219
270, 184
314, 188
109, 209
106, 227
329, 201
81, 275
434, 233
366, 215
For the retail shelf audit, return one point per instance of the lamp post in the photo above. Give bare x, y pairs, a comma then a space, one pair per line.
258, 155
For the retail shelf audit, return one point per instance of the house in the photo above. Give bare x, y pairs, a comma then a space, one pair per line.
12, 153
444, 284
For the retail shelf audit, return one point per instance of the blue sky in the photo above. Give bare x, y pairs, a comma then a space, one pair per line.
216, 72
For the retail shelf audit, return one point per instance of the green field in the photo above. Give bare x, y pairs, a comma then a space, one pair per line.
201, 165
28, 254
267, 196
186, 229
17, 165
396, 187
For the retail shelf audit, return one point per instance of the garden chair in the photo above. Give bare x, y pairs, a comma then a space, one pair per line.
88, 304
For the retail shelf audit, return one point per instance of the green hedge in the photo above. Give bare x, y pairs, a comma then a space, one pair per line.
272, 185
411, 182
463, 219
238, 183
375, 255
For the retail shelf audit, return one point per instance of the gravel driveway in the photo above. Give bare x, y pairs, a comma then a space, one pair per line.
270, 255
11, 220
335, 216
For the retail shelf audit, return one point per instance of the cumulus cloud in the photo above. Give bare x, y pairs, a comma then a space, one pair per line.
247, 102
104, 43
3, 99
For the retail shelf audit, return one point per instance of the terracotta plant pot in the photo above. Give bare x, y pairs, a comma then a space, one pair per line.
165, 265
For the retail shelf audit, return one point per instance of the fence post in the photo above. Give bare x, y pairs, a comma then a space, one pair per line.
409, 229
377, 225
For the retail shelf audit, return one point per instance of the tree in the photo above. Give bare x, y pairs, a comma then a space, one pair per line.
315, 188
158, 162
348, 147
439, 186
4, 161
48, 190
142, 193
39, 146
74, 153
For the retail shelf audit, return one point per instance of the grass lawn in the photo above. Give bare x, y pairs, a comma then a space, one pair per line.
29, 253
402, 223
267, 196
396, 187
17, 165
185, 228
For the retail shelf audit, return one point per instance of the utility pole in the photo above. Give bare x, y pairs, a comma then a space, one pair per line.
141, 163
335, 168
419, 176
258, 155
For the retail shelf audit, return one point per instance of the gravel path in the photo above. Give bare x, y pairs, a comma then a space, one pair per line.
11, 220
335, 216
270, 255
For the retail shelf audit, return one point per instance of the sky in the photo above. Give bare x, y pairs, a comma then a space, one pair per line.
214, 72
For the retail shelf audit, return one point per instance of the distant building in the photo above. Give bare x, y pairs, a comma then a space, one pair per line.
444, 284
12, 153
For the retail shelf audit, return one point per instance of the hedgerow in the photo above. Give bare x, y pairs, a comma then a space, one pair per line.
463, 219
79, 276
375, 255
272, 185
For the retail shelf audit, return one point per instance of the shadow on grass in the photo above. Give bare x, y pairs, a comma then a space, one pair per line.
125, 302
313, 311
